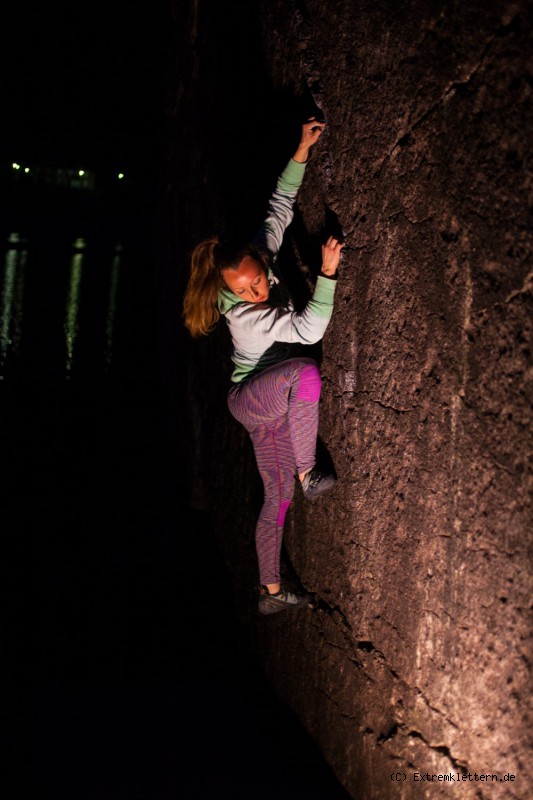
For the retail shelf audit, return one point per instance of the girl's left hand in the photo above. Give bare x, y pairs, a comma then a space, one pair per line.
331, 253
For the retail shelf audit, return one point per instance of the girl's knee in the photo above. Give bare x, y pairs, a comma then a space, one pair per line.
310, 383
282, 512
285, 496
277, 500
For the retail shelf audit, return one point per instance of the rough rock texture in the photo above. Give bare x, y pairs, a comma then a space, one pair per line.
415, 658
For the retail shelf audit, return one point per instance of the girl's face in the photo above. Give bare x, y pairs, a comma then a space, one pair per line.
248, 281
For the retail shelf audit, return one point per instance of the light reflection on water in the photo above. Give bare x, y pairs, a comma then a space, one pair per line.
87, 278
112, 306
71, 318
12, 302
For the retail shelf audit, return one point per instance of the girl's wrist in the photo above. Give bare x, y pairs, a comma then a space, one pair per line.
301, 154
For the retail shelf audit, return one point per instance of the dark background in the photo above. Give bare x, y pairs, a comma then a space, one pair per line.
85, 83
127, 674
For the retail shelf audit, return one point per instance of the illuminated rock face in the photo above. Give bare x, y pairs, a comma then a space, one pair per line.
415, 658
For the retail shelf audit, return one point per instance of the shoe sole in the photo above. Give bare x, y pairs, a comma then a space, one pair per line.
267, 607
321, 491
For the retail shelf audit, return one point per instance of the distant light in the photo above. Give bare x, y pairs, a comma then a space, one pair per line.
26, 169
15, 166
120, 175
81, 172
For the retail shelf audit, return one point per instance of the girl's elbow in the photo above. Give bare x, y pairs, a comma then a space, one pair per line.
311, 339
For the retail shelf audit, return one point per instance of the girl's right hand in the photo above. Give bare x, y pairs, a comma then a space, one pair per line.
331, 253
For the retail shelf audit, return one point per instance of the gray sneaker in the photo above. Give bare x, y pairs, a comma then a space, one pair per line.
282, 600
316, 483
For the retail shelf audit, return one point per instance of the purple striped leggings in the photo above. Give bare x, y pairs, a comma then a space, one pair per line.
279, 409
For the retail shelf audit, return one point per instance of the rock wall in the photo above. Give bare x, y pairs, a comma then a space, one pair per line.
415, 657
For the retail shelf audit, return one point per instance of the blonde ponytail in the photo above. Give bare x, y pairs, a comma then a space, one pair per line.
200, 309
209, 259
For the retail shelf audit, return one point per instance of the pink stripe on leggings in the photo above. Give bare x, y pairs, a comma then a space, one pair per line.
283, 512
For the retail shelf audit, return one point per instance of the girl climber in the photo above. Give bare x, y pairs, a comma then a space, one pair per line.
274, 394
